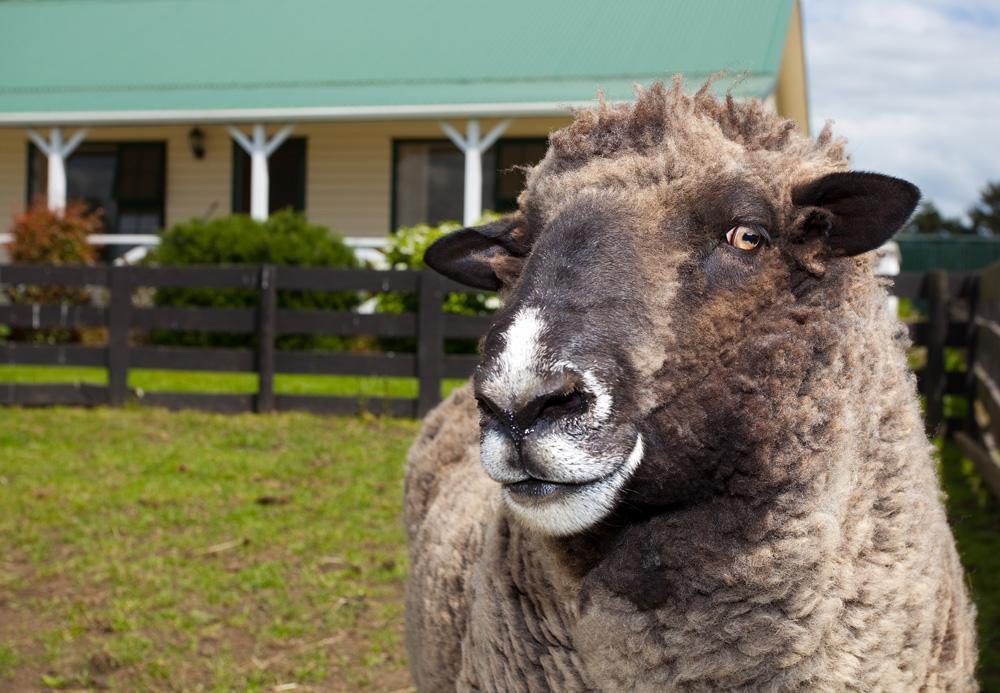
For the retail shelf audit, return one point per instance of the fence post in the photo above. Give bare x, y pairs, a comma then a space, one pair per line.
267, 306
430, 341
972, 297
937, 335
119, 316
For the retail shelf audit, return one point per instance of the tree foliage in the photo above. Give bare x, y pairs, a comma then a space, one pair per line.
928, 219
985, 216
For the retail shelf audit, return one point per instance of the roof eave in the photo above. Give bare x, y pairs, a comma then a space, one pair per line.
292, 114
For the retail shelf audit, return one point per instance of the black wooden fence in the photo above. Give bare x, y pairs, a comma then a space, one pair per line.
980, 439
947, 301
430, 326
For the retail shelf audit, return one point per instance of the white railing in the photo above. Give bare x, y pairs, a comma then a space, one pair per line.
367, 248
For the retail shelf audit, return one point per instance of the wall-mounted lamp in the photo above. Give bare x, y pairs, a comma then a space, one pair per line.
196, 140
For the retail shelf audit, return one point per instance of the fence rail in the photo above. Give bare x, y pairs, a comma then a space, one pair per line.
980, 440
430, 327
950, 302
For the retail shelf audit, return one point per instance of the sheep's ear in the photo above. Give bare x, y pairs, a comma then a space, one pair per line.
857, 211
484, 257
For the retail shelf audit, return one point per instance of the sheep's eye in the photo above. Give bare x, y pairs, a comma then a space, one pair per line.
745, 237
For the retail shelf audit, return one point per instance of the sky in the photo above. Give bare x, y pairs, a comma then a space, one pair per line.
914, 86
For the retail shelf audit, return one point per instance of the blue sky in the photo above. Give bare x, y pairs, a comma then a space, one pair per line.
914, 86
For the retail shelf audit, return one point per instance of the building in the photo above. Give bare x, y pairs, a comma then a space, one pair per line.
365, 115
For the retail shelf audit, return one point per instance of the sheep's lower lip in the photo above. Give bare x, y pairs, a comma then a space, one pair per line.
537, 489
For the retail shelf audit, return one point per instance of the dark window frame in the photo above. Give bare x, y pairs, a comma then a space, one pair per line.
394, 174
161, 209
236, 173
396, 143
514, 141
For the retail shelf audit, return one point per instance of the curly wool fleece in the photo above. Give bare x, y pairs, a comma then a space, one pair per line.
817, 558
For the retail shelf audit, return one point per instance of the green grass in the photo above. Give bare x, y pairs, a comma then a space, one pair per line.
148, 550
974, 514
238, 383
144, 550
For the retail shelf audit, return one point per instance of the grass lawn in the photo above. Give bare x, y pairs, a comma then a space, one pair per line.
238, 383
974, 514
148, 550
141, 550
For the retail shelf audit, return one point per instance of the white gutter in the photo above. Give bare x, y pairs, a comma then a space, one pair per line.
231, 115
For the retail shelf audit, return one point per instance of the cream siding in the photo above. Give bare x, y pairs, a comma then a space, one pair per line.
13, 174
193, 187
348, 168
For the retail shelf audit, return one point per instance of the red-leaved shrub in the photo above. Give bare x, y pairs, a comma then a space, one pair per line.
41, 236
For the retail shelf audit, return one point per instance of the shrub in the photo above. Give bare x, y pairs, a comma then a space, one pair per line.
405, 250
41, 236
286, 239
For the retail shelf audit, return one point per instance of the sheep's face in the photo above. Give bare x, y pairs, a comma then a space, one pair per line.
634, 314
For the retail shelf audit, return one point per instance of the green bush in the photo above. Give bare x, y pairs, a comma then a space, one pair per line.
286, 239
405, 250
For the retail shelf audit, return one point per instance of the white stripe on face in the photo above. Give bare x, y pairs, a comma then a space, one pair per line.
516, 371
602, 398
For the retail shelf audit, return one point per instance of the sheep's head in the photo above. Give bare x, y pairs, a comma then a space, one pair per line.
656, 281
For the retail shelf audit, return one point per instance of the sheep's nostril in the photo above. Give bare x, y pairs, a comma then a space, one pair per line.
488, 408
552, 406
561, 404
567, 400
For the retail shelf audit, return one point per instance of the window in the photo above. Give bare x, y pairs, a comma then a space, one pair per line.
511, 156
286, 174
429, 178
126, 180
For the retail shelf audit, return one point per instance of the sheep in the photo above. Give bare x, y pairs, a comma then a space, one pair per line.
692, 456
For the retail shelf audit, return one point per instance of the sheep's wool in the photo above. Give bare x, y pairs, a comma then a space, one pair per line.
813, 552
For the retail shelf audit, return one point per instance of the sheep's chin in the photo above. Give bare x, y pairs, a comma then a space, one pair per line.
578, 507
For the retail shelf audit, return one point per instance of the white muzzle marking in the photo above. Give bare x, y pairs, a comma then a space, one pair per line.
516, 375
580, 508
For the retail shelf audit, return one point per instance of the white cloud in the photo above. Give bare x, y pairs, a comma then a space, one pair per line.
914, 86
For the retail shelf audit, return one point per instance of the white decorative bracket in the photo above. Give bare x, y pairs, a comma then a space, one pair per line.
57, 152
473, 146
260, 149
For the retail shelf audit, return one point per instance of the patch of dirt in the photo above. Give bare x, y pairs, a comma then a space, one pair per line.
85, 663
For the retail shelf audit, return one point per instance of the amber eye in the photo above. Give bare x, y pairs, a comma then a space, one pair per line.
745, 237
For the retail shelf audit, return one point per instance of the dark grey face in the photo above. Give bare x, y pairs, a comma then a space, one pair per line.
566, 386
556, 376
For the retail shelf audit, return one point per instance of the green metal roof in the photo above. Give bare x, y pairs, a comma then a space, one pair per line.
107, 60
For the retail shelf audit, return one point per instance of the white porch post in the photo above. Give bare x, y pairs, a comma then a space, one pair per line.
473, 146
56, 151
259, 149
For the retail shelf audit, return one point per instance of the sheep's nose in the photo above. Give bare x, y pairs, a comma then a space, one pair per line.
559, 397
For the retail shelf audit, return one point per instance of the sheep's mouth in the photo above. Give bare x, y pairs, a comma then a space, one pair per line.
561, 508
538, 489
538, 492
